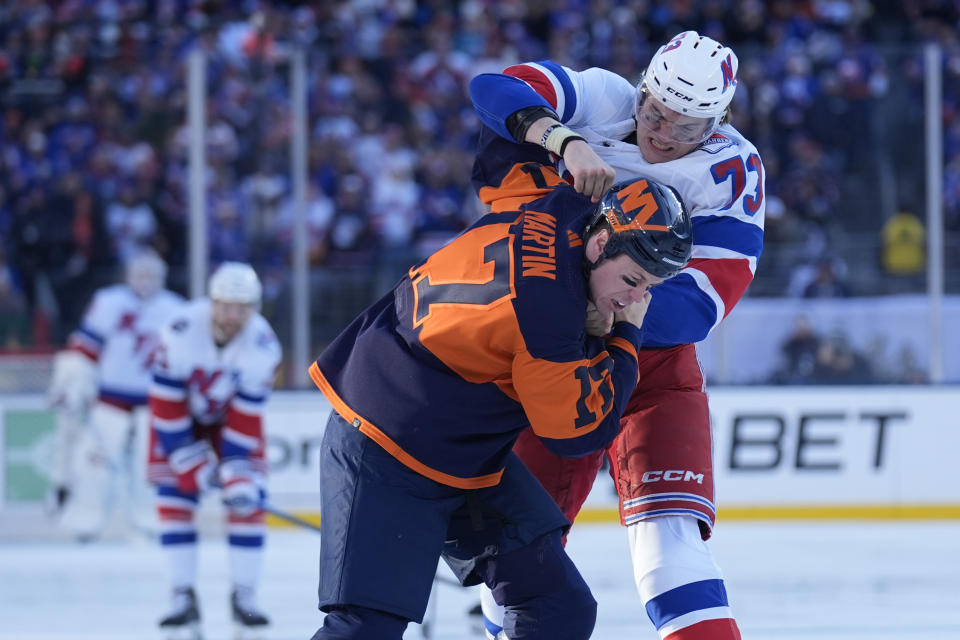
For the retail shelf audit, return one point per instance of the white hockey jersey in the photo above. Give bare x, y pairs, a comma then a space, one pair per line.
721, 183
197, 382
119, 332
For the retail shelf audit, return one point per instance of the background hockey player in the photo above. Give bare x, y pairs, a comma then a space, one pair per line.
99, 385
673, 127
432, 384
213, 373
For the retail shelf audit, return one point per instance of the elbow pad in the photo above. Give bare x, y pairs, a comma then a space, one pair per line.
519, 121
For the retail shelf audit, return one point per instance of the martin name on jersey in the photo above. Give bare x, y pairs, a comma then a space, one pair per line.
198, 387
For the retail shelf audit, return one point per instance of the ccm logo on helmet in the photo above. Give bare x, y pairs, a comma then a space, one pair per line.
673, 475
679, 95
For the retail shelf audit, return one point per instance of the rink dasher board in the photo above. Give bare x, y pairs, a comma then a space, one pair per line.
876, 452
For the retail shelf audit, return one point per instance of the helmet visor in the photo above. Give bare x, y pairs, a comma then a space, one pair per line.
664, 122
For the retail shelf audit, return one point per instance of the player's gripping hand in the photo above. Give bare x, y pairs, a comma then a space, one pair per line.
598, 324
634, 313
241, 493
195, 466
591, 175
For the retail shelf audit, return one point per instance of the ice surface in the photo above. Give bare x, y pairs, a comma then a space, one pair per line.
810, 581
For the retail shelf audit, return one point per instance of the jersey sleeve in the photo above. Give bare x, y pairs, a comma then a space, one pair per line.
727, 244
573, 388
576, 96
90, 336
575, 406
243, 434
169, 404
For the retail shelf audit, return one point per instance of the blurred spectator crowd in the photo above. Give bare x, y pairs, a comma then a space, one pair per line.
811, 357
93, 133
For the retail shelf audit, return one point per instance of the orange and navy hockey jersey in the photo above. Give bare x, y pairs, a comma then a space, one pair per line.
484, 338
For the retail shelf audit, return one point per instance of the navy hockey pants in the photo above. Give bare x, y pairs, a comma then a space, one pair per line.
384, 526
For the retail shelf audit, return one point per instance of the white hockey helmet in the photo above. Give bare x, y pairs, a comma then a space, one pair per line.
692, 75
235, 282
145, 272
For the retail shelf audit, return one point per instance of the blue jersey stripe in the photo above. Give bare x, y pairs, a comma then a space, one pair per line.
727, 232
248, 541
122, 397
178, 538
492, 628
169, 382
695, 596
664, 327
91, 334
230, 449
173, 440
174, 492
569, 95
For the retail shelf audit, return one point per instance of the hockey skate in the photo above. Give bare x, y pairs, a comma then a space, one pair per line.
248, 621
57, 500
183, 621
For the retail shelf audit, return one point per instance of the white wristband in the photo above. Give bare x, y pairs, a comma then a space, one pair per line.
557, 137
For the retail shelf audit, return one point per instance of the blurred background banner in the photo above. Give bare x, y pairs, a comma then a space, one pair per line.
812, 452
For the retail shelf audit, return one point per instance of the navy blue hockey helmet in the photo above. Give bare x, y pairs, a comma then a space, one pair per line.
648, 222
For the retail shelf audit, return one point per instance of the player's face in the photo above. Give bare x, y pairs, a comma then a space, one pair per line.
618, 283
144, 282
229, 318
664, 135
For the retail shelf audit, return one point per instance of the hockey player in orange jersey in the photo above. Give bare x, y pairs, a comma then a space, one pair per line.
432, 384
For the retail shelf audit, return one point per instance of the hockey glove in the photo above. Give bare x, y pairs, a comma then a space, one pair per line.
195, 466
241, 493
73, 385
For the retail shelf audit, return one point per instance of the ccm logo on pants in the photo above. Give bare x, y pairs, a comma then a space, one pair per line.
674, 475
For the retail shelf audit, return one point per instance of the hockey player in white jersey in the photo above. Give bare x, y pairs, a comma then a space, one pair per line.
213, 373
672, 127
99, 386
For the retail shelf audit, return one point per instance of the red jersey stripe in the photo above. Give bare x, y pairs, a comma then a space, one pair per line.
730, 278
169, 409
720, 629
536, 79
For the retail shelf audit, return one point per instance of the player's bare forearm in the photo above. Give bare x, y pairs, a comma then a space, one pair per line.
538, 128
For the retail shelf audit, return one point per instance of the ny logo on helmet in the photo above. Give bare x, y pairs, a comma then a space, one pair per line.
726, 68
636, 200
